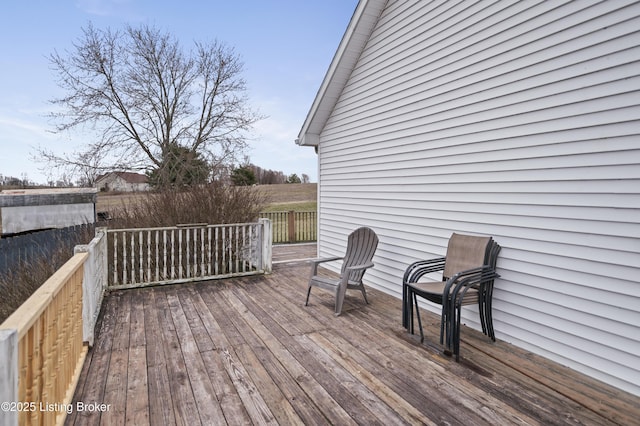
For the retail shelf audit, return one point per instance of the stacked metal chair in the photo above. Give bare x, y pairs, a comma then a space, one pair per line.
468, 274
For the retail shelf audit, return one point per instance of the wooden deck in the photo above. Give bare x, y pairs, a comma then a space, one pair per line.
247, 351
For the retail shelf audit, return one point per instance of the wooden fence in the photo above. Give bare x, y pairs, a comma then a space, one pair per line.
42, 350
292, 226
168, 255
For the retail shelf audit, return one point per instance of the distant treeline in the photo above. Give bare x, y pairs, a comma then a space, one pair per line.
271, 177
11, 182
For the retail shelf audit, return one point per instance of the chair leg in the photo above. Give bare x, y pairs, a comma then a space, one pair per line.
489, 319
306, 303
364, 293
456, 332
341, 290
482, 309
408, 307
405, 311
415, 301
444, 317
447, 326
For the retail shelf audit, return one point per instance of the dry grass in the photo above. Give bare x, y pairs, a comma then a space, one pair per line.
290, 193
296, 196
303, 206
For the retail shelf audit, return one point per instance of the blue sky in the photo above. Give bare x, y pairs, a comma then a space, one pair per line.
286, 47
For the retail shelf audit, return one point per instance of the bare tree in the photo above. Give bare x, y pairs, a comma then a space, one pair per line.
144, 95
86, 165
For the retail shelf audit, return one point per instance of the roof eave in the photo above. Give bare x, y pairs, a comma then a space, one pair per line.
351, 46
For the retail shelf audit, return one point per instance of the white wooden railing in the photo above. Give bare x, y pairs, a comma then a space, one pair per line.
41, 343
152, 256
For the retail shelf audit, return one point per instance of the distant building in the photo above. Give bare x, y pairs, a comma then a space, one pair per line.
23, 210
122, 181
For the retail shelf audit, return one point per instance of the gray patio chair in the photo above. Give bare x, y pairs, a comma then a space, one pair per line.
361, 245
468, 272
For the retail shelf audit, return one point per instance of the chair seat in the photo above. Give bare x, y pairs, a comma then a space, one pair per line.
433, 290
329, 283
325, 280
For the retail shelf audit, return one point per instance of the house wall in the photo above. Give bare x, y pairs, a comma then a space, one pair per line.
519, 120
116, 183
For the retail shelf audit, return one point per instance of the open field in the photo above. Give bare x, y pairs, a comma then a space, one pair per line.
290, 192
296, 196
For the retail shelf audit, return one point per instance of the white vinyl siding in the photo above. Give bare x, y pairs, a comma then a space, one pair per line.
519, 120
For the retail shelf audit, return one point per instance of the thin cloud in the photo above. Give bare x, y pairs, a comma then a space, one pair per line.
103, 7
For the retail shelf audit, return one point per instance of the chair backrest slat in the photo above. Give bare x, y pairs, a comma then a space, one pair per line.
361, 246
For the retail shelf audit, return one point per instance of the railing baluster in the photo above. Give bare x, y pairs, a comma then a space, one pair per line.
209, 249
202, 259
179, 253
217, 255
188, 257
124, 258
232, 240
173, 253
196, 263
115, 258
148, 248
254, 248
133, 257
249, 242
257, 253
194, 255
157, 255
237, 251
223, 248
141, 265
229, 249
243, 244
164, 254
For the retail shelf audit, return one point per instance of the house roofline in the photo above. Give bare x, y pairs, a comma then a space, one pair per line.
344, 61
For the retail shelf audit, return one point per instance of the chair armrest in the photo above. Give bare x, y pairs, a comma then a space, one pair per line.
325, 259
359, 267
344, 279
470, 278
318, 261
422, 267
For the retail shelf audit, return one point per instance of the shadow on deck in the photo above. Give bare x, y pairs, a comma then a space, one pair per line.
247, 351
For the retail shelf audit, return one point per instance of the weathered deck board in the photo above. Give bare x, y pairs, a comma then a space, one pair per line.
247, 351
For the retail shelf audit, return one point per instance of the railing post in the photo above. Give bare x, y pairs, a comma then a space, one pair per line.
104, 255
8, 376
267, 239
94, 282
292, 226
